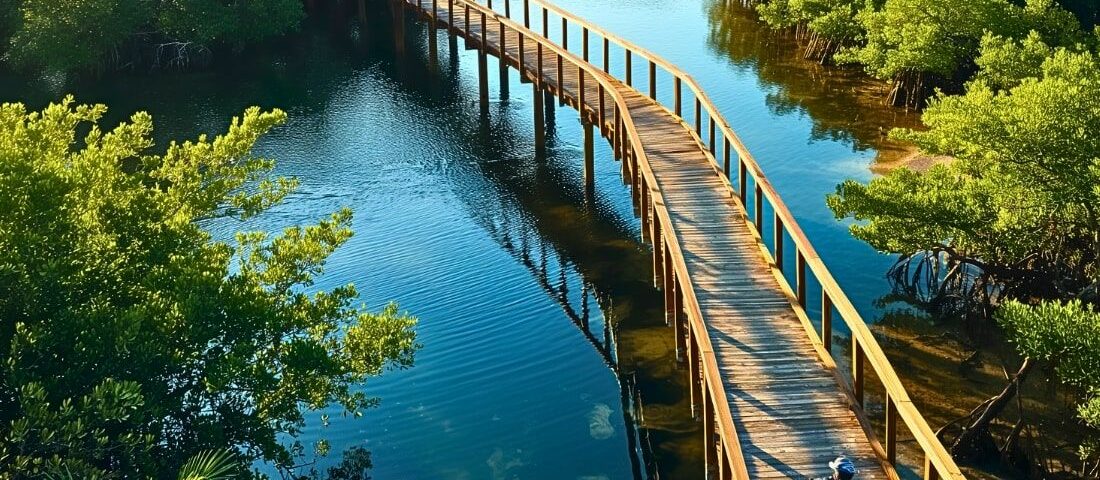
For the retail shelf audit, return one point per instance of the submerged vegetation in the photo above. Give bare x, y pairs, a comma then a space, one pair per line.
132, 339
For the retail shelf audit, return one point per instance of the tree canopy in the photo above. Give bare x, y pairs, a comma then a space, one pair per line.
131, 339
1014, 216
1067, 336
1021, 200
919, 44
65, 36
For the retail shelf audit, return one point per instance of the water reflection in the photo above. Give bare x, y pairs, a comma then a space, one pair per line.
581, 250
844, 104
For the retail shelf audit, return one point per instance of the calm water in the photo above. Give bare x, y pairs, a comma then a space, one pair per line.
545, 353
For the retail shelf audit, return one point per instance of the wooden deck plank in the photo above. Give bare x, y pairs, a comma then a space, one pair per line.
792, 416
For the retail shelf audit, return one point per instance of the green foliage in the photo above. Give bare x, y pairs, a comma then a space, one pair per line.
209, 465
75, 437
1066, 335
918, 44
133, 340
832, 19
10, 18
1021, 200
68, 35
930, 36
1004, 62
82, 34
234, 22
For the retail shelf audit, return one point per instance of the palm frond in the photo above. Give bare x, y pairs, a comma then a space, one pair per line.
209, 465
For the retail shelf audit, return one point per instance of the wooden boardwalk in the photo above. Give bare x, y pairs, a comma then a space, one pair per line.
773, 403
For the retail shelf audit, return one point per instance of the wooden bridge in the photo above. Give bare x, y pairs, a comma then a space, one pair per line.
764, 381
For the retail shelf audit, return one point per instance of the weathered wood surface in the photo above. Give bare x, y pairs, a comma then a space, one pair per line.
791, 415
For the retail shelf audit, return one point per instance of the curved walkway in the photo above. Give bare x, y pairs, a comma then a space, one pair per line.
772, 401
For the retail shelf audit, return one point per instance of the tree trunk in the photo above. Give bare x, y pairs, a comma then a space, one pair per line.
969, 443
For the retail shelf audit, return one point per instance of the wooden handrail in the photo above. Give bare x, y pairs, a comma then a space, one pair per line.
938, 462
712, 379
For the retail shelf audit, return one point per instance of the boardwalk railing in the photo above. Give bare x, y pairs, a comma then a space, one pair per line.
706, 378
727, 455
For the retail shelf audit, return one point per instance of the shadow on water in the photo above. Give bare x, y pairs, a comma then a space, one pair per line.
582, 250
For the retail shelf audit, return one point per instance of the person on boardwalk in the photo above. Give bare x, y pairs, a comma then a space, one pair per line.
843, 469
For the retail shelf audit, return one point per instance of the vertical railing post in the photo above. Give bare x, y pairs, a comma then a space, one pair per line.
545, 23
777, 237
643, 209
800, 277
584, 43
710, 453
526, 13
581, 94
618, 134
508, 8
677, 94
504, 54
857, 369
759, 200
670, 286
602, 114
826, 321
538, 66
606, 55
652, 80
561, 80
658, 250
711, 137
522, 54
726, 155
930, 472
698, 117
565, 33
629, 69
742, 179
891, 430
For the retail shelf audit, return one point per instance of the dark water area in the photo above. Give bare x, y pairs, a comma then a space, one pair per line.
545, 354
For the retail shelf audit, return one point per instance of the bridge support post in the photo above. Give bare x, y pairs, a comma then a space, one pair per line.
504, 61
589, 157
483, 77
643, 204
540, 121
397, 8
658, 250
452, 47
548, 102
669, 290
433, 45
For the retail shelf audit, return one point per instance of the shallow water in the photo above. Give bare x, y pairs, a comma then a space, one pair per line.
545, 352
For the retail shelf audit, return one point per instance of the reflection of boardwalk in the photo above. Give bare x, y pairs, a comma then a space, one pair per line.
553, 273
769, 395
